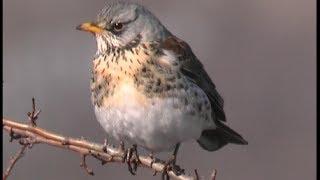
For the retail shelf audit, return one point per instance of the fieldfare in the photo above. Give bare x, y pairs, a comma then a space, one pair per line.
148, 88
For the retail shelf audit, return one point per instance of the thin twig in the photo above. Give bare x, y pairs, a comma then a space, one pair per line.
214, 174
28, 135
108, 154
24, 141
197, 175
85, 166
13, 161
33, 115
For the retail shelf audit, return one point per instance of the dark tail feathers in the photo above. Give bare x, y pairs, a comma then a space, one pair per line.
212, 140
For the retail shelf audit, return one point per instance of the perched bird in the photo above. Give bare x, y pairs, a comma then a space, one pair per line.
148, 88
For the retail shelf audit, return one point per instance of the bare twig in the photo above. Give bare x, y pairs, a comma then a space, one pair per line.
105, 153
197, 175
28, 135
24, 141
214, 174
13, 161
85, 166
33, 115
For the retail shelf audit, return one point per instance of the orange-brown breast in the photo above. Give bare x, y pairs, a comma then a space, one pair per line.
113, 77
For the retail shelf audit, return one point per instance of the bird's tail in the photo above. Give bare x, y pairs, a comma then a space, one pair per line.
214, 139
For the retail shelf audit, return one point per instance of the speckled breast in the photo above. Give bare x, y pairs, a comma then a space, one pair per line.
131, 92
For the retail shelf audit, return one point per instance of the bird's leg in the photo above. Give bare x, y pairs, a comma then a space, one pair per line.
121, 147
171, 164
130, 153
175, 153
135, 150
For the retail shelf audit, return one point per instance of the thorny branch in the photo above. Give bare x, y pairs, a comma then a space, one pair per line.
30, 134
214, 175
33, 115
24, 141
84, 164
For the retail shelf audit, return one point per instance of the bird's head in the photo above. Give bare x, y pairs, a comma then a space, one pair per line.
124, 24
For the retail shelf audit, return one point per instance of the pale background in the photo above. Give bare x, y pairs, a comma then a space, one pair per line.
261, 55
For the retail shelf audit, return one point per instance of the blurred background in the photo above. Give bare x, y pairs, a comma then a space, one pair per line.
260, 54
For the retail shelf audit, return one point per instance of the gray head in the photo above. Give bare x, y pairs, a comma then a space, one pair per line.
122, 23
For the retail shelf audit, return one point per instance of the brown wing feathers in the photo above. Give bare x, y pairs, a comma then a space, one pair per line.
193, 69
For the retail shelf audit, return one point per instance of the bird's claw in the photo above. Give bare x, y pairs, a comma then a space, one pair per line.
170, 165
132, 159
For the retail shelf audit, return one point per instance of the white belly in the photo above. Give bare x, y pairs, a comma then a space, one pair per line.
157, 126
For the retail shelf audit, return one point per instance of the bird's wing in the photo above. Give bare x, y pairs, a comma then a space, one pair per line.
192, 68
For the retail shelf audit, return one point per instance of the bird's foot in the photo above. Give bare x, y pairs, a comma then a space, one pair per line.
170, 165
132, 159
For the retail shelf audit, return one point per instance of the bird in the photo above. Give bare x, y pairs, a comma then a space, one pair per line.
148, 88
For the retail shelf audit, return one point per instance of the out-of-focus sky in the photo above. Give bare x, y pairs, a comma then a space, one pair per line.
260, 54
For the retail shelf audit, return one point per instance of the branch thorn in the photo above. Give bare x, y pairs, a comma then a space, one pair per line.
84, 165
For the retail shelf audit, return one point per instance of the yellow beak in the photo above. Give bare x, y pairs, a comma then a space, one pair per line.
89, 27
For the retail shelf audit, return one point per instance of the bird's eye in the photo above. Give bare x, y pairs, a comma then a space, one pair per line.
118, 26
